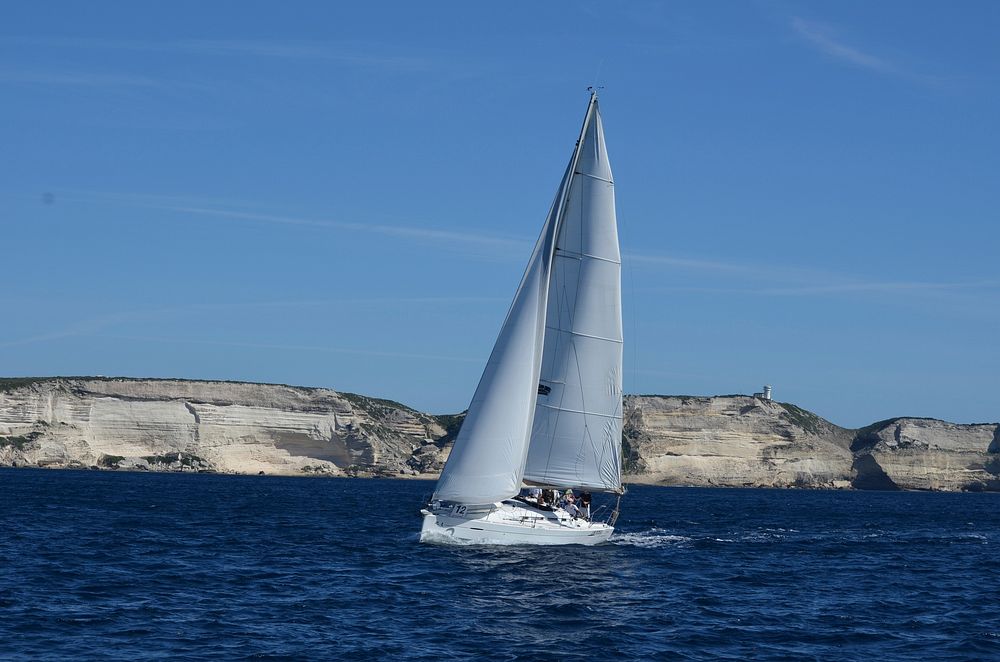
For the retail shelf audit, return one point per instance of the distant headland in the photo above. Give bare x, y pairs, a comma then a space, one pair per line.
250, 428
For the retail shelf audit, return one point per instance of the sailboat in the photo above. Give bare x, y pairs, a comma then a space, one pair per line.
548, 409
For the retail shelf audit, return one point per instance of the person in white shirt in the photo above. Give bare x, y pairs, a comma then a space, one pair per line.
570, 506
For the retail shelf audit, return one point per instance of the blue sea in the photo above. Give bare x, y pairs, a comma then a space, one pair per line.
131, 566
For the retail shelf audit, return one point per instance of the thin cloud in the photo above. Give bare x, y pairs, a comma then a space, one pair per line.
754, 279
399, 231
747, 271
356, 54
81, 79
915, 287
688, 263
155, 200
821, 37
349, 54
91, 326
297, 348
503, 246
875, 287
79, 328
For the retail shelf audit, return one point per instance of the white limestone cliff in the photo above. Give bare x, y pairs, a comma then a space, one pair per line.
219, 426
735, 441
928, 454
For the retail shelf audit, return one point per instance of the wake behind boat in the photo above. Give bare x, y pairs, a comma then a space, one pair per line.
548, 409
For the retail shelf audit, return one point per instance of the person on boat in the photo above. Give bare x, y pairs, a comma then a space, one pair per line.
529, 496
569, 505
584, 505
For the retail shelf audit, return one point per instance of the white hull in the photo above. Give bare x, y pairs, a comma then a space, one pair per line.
511, 523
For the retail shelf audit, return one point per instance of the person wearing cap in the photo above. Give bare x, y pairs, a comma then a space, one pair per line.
570, 505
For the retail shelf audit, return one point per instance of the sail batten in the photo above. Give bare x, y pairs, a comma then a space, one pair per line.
562, 252
587, 174
579, 411
584, 335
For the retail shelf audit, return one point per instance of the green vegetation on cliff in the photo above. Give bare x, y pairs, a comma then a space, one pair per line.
806, 420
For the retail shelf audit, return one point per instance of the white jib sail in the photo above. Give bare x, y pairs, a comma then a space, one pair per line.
576, 437
486, 464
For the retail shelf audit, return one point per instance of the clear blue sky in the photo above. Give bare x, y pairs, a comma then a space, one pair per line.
345, 194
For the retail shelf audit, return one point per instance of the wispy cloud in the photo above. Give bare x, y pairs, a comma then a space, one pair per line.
493, 245
747, 272
366, 56
694, 264
78, 78
823, 38
78, 328
353, 54
399, 231
94, 325
915, 287
348, 53
730, 277
297, 348
143, 199
820, 36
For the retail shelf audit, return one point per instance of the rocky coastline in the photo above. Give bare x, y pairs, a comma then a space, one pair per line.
249, 428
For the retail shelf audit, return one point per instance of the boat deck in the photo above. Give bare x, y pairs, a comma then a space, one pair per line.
510, 522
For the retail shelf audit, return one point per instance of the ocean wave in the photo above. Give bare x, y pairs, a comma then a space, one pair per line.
227, 567
651, 539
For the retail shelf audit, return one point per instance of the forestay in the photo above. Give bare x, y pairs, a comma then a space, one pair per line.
576, 436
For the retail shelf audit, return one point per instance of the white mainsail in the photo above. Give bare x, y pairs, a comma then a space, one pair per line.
573, 279
486, 463
576, 439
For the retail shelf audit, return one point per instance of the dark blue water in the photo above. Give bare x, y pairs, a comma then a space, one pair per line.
134, 566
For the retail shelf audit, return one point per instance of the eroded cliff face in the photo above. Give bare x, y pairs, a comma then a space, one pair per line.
735, 441
927, 454
216, 426
740, 441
